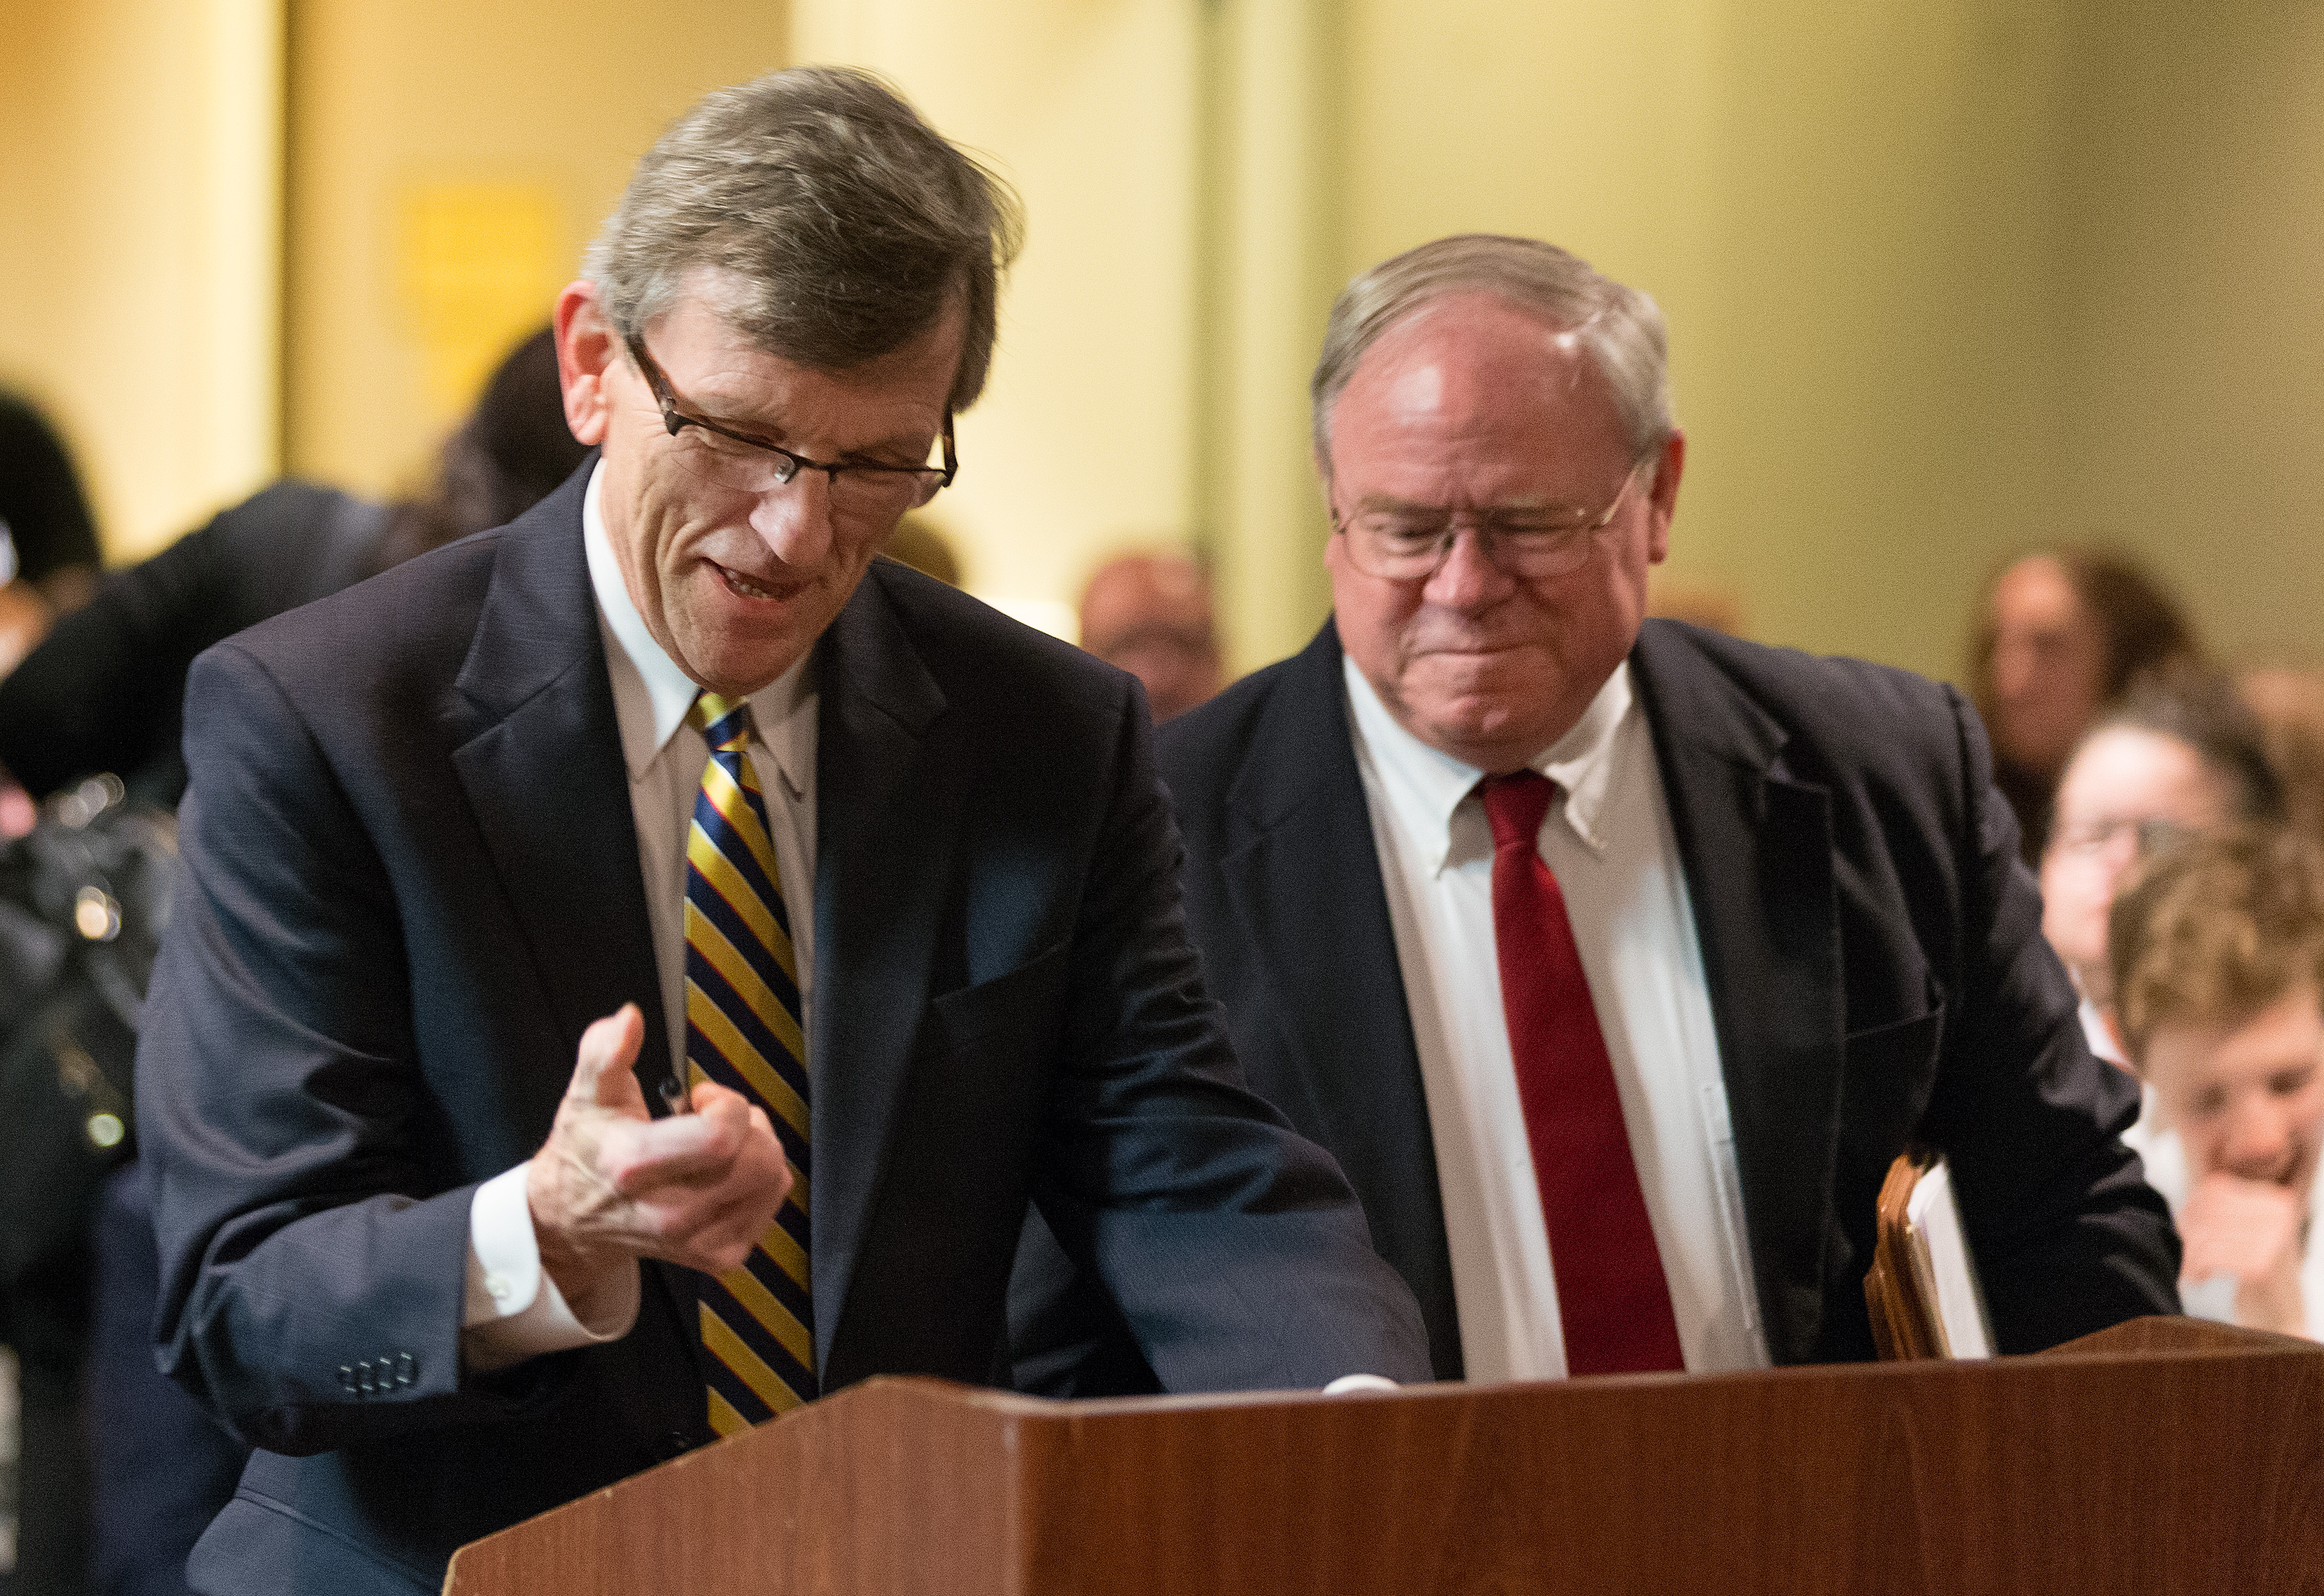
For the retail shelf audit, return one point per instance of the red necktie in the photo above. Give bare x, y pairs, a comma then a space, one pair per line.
1613, 1299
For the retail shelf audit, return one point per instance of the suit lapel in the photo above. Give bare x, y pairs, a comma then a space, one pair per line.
880, 852
546, 781
1301, 872
1756, 844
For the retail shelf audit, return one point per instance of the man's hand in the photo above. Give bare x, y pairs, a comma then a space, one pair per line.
613, 1184
2249, 1229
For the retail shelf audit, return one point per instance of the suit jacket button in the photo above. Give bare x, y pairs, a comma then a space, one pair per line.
675, 1442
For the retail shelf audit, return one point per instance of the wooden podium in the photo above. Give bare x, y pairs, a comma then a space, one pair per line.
2162, 1455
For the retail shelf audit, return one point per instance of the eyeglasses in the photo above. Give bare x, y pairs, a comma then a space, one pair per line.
731, 459
2088, 840
1409, 544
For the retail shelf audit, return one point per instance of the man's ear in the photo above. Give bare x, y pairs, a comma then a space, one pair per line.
1662, 501
587, 350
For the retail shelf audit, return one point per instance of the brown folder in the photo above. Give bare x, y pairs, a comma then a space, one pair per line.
1922, 1289
1901, 1296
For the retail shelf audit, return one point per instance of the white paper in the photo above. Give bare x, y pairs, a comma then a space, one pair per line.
1935, 1220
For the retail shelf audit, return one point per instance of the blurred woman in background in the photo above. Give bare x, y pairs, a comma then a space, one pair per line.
2060, 635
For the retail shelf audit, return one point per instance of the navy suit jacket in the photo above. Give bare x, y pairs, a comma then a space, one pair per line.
1877, 970
410, 881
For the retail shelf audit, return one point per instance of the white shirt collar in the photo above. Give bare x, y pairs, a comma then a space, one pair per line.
1426, 783
668, 690
1583, 763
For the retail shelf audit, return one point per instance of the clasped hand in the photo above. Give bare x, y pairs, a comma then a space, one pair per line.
2250, 1230
613, 1184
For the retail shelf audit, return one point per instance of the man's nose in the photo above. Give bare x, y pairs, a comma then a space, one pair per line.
794, 519
1467, 577
2116, 853
2013, 670
2258, 1139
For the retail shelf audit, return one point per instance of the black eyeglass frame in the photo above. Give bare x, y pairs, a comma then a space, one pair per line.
677, 420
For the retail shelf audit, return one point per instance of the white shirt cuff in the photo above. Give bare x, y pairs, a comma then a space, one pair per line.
513, 1309
1361, 1382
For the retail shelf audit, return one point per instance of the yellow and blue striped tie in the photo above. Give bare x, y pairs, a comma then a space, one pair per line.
743, 1031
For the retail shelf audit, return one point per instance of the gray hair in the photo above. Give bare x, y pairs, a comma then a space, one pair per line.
1621, 328
848, 225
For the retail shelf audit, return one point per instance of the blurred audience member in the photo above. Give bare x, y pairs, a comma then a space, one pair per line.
102, 694
2180, 755
1150, 615
918, 543
25, 620
2290, 704
2218, 968
48, 563
2060, 635
512, 452
50, 543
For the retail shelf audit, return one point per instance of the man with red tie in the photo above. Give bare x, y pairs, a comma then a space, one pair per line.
1614, 960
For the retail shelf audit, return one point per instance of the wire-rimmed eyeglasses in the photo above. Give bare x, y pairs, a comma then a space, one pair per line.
1409, 543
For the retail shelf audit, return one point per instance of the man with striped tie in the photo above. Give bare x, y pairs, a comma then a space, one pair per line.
636, 968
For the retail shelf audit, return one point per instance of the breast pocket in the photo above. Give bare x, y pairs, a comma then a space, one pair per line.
985, 1067
1909, 1044
1021, 1009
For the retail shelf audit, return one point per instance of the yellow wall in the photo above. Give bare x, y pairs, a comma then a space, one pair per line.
449, 161
1273, 145
1943, 280
138, 229
2194, 347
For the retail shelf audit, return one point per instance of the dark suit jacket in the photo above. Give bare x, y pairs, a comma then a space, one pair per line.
1877, 976
411, 879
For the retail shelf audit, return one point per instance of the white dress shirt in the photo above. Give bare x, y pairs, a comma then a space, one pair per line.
1607, 838
513, 1310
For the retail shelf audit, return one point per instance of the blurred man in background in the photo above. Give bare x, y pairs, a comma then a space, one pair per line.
2219, 976
1151, 615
